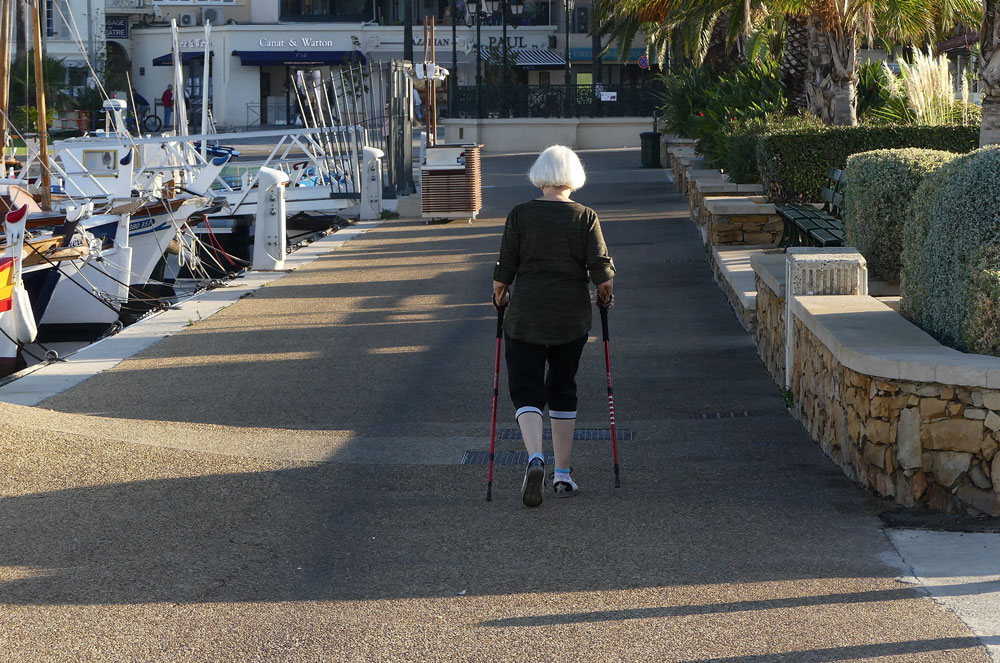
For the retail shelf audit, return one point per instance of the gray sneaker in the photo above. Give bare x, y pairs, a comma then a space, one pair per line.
565, 488
531, 489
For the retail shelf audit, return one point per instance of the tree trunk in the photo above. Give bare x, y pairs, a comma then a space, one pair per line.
721, 56
795, 63
832, 83
989, 66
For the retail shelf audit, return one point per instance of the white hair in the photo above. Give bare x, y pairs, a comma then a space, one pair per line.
558, 166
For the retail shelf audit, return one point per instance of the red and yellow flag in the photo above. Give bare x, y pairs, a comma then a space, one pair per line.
6, 283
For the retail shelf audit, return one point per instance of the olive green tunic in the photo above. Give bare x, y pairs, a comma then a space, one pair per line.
551, 247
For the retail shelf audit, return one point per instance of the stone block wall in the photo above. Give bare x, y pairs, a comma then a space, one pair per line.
746, 316
919, 443
769, 332
743, 229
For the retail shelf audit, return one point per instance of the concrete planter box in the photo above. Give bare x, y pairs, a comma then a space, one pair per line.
739, 220
708, 187
668, 141
905, 416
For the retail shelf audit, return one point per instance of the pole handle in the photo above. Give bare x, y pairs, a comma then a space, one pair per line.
604, 317
500, 311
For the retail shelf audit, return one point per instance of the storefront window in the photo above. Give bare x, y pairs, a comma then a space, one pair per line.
532, 13
332, 11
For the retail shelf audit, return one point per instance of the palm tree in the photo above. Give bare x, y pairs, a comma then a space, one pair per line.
835, 29
795, 62
989, 62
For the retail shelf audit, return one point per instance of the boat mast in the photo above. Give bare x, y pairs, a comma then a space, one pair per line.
43, 128
4, 78
206, 64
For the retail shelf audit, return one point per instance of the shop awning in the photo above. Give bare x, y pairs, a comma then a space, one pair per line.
186, 58
526, 58
267, 58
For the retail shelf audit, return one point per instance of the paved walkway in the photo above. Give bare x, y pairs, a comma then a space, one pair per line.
281, 481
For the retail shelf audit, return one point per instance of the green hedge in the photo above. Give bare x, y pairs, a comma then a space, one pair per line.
950, 245
880, 185
737, 143
793, 164
982, 330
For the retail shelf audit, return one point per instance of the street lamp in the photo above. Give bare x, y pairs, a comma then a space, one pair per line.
567, 4
515, 9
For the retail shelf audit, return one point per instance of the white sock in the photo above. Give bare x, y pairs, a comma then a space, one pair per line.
561, 475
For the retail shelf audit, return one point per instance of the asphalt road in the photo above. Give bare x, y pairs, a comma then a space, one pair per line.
282, 481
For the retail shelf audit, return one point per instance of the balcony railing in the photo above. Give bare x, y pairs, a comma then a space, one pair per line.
120, 5
551, 101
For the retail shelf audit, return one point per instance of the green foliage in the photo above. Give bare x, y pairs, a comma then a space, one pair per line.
949, 284
982, 330
753, 90
22, 82
26, 118
880, 185
736, 144
686, 95
793, 164
876, 102
922, 94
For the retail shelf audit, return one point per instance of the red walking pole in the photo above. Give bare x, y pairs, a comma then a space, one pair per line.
604, 306
496, 394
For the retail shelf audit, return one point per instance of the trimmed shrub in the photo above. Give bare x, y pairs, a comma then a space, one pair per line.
913, 273
982, 331
949, 255
793, 164
880, 185
737, 143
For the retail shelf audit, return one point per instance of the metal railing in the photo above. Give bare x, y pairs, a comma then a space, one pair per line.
600, 100
124, 4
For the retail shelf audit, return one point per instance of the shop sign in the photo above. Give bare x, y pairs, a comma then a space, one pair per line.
116, 27
194, 44
296, 42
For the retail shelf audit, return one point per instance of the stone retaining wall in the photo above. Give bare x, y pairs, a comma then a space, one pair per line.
746, 316
769, 332
920, 443
741, 229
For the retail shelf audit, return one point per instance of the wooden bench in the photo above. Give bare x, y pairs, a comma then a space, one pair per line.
808, 225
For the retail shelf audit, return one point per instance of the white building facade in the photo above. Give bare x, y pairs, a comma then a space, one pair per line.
258, 46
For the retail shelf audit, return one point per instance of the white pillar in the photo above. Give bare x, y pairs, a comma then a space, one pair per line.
371, 184
269, 233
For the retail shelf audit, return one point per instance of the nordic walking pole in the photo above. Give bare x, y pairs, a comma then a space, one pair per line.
496, 394
604, 306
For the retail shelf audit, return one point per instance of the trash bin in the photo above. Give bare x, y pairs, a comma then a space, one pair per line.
451, 183
650, 142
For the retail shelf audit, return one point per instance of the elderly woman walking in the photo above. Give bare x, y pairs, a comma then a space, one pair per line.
551, 246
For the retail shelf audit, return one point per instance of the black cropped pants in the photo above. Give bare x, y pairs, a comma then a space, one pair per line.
531, 388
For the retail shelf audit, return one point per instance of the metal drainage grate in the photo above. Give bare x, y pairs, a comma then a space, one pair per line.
480, 457
623, 434
684, 261
742, 414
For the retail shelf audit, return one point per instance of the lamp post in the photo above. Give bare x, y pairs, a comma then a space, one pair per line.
515, 10
474, 9
567, 5
503, 19
453, 79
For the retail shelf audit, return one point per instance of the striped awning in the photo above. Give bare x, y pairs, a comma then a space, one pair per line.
526, 58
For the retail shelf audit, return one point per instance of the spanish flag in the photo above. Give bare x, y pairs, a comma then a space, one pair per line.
6, 283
